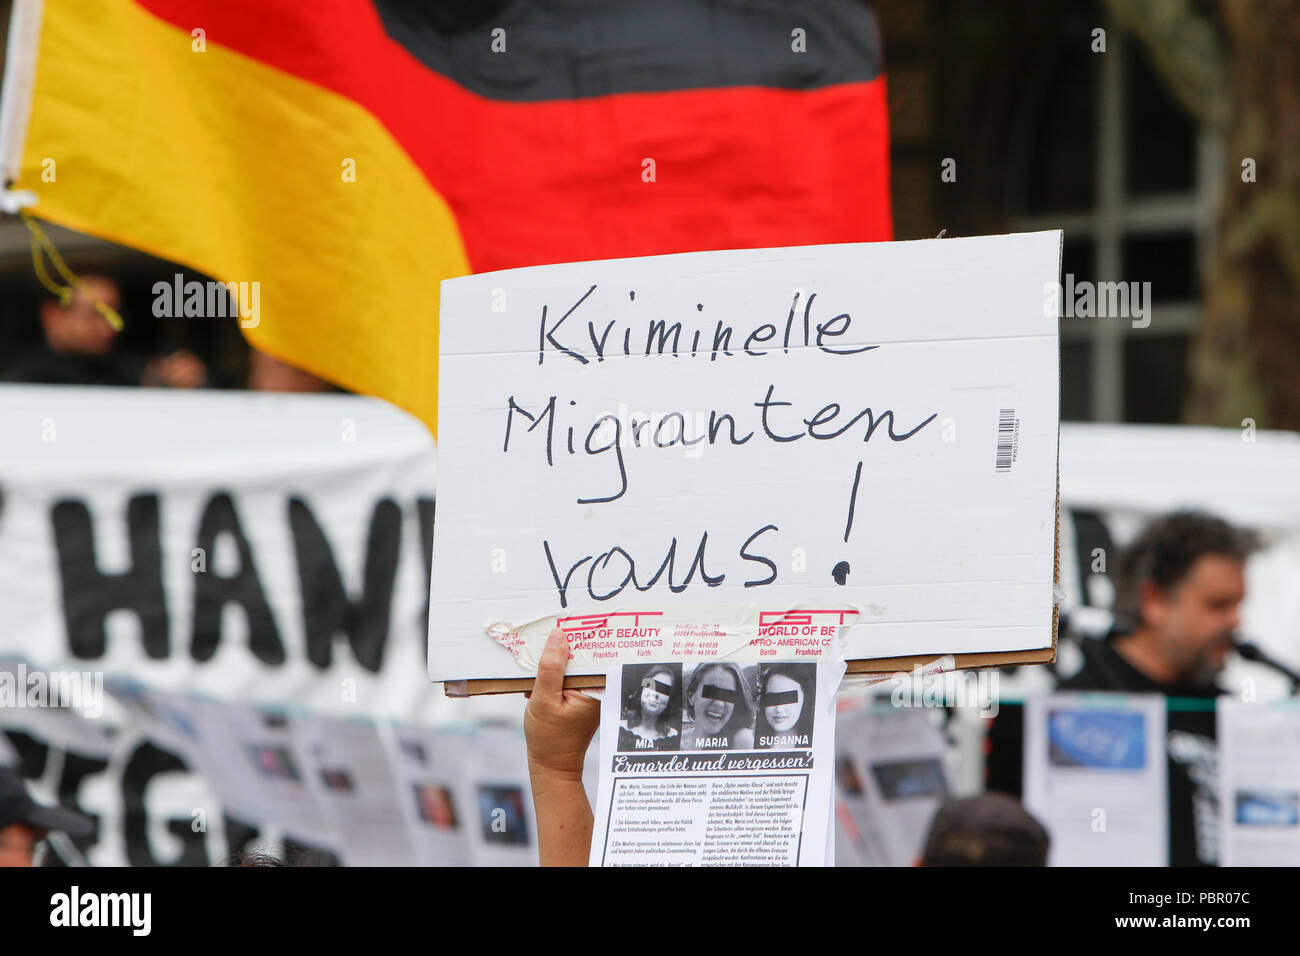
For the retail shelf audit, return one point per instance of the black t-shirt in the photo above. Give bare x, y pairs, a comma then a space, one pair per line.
1191, 748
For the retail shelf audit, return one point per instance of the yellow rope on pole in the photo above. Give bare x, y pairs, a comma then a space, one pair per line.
41, 243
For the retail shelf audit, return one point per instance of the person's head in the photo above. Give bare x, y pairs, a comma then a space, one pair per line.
79, 328
1180, 585
784, 706
658, 690
657, 697
717, 701
991, 829
24, 822
251, 858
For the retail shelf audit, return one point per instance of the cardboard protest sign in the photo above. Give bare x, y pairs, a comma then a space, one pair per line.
750, 454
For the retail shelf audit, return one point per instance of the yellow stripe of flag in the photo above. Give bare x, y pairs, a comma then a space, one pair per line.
218, 162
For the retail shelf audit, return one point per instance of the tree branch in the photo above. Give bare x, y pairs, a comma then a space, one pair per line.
1187, 53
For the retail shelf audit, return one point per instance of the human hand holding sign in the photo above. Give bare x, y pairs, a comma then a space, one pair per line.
559, 725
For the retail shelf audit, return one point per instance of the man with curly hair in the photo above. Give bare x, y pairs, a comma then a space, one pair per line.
1179, 590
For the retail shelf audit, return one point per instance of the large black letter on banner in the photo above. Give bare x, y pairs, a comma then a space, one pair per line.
325, 605
212, 592
146, 763
1091, 534
89, 594
33, 756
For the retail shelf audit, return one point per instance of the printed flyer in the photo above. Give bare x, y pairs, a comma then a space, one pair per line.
717, 764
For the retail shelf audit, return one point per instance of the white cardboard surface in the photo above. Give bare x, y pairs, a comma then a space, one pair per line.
946, 553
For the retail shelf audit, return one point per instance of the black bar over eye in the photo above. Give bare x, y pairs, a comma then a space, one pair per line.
776, 698
659, 686
714, 692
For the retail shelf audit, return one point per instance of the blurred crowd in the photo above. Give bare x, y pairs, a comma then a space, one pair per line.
80, 346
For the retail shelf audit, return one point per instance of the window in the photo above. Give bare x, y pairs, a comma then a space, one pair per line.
1147, 216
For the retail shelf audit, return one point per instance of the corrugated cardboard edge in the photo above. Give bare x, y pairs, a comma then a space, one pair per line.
519, 685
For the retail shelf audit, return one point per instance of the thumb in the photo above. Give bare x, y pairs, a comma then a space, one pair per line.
550, 669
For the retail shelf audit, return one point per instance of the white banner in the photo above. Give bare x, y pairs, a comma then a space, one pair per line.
224, 552
250, 546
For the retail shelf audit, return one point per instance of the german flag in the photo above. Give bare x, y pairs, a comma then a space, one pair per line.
348, 155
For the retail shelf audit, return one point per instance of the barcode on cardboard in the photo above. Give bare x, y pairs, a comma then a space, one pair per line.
1006, 438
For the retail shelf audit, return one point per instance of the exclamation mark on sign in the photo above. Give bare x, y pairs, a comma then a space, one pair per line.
841, 571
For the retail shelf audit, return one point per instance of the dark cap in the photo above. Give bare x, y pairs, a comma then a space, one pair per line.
16, 806
991, 829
